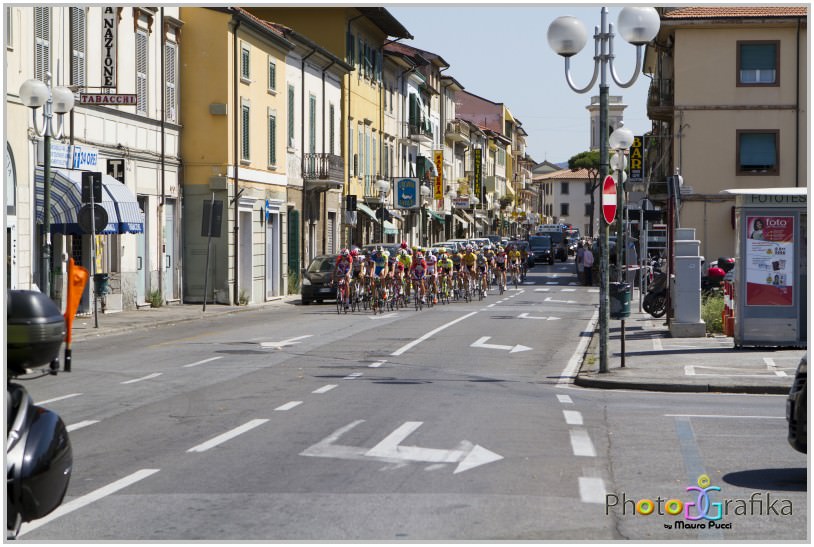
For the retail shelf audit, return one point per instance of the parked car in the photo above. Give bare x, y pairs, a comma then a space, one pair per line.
392, 248
542, 248
316, 280
494, 238
451, 246
796, 407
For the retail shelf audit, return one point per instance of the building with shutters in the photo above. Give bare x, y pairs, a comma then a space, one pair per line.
134, 146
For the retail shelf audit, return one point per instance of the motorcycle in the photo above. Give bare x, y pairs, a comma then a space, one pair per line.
655, 301
39, 458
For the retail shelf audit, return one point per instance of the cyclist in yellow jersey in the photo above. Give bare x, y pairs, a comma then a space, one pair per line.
514, 258
468, 261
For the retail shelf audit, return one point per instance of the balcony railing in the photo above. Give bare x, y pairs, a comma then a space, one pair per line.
457, 131
420, 129
660, 99
321, 166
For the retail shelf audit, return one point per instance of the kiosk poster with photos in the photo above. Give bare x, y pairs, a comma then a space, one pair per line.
769, 260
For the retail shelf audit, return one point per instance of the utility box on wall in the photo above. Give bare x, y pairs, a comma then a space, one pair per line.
771, 267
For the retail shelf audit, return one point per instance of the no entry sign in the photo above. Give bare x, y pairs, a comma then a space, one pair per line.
609, 199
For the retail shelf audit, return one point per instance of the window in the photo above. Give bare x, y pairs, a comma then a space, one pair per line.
78, 25
360, 147
350, 53
244, 138
272, 138
563, 188
588, 209
374, 170
758, 152
42, 43
331, 129
351, 158
272, 75
141, 71
9, 29
564, 209
244, 63
588, 188
171, 79
312, 124
758, 63
290, 116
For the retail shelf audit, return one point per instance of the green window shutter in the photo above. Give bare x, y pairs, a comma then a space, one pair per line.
312, 124
245, 133
350, 53
294, 242
291, 115
331, 129
272, 140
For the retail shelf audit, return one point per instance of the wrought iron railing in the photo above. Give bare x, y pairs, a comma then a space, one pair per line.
322, 166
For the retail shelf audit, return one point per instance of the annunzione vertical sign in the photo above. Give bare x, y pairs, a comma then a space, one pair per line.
109, 41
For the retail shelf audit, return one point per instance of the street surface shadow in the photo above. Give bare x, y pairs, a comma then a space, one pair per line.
667, 351
243, 352
792, 479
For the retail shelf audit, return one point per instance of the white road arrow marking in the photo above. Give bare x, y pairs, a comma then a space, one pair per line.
289, 342
525, 315
467, 455
384, 316
549, 299
481, 343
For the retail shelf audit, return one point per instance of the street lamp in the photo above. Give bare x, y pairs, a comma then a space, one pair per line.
383, 187
567, 37
54, 100
452, 194
620, 141
425, 194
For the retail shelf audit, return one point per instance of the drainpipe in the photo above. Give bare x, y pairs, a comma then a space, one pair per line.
236, 147
161, 212
797, 110
350, 132
304, 221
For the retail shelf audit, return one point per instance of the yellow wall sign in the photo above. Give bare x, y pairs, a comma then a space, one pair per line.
478, 174
438, 159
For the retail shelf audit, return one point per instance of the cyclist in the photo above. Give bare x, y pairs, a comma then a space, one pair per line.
380, 258
524, 260
500, 264
445, 268
406, 261
418, 271
432, 274
342, 273
514, 258
483, 270
468, 260
357, 272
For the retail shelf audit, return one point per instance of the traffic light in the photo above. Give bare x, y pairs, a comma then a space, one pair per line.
91, 182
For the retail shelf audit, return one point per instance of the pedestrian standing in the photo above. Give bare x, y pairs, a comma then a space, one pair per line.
588, 264
578, 259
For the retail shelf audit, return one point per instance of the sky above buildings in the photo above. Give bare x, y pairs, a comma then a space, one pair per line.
501, 53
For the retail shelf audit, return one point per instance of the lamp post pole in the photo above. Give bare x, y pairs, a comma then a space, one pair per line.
567, 37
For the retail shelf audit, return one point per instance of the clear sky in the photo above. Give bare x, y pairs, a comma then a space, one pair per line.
501, 53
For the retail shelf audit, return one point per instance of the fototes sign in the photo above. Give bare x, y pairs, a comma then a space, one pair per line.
109, 42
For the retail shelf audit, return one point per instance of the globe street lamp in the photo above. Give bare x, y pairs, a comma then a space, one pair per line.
567, 37
382, 187
452, 194
54, 100
620, 141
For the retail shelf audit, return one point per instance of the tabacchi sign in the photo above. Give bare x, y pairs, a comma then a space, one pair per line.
109, 40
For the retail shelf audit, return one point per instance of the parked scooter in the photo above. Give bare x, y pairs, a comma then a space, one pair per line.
655, 301
39, 458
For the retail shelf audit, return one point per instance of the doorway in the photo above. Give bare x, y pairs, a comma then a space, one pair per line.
245, 256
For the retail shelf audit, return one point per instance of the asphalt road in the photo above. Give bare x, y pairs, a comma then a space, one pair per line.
453, 423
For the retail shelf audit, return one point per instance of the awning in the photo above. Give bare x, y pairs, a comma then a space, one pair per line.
467, 216
463, 222
390, 229
370, 212
436, 216
123, 212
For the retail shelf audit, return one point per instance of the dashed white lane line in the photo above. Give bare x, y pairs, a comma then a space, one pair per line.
770, 364
203, 447
87, 499
592, 490
545, 289
289, 406
377, 364
80, 425
55, 399
568, 290
352, 376
564, 399
324, 389
148, 377
572, 417
414, 343
656, 342
581, 443
593, 290
195, 364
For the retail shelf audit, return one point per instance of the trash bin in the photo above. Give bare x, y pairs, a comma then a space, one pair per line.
619, 296
101, 283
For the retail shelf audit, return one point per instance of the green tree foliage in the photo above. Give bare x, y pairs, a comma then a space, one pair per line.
588, 160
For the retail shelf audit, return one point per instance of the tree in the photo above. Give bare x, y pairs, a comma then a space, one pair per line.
588, 160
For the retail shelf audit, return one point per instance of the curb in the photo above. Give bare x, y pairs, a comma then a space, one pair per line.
680, 388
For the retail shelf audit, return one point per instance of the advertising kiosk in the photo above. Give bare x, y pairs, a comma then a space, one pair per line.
770, 267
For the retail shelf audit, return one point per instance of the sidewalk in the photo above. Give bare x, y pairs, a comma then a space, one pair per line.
655, 361
84, 327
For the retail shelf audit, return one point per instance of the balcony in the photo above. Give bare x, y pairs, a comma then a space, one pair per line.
660, 100
420, 130
322, 171
457, 131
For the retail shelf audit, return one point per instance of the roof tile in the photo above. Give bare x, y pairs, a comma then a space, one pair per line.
717, 12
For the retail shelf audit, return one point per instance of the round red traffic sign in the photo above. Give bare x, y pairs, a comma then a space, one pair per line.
609, 199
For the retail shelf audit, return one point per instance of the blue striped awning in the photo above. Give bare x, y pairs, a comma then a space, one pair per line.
123, 212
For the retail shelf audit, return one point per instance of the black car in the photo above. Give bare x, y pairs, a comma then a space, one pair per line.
542, 248
316, 281
796, 407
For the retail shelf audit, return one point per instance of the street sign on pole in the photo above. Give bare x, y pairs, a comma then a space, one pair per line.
609, 199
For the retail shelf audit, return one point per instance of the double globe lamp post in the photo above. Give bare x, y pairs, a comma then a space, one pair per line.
567, 37
57, 100
383, 188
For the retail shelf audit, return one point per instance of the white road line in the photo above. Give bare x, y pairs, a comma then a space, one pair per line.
289, 406
195, 364
80, 425
593, 290
492, 305
592, 490
569, 373
324, 389
564, 398
572, 417
725, 416
414, 343
770, 364
377, 364
203, 447
148, 377
552, 282
571, 283
567, 290
352, 376
689, 370
546, 289
87, 499
55, 399
656, 342
581, 443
